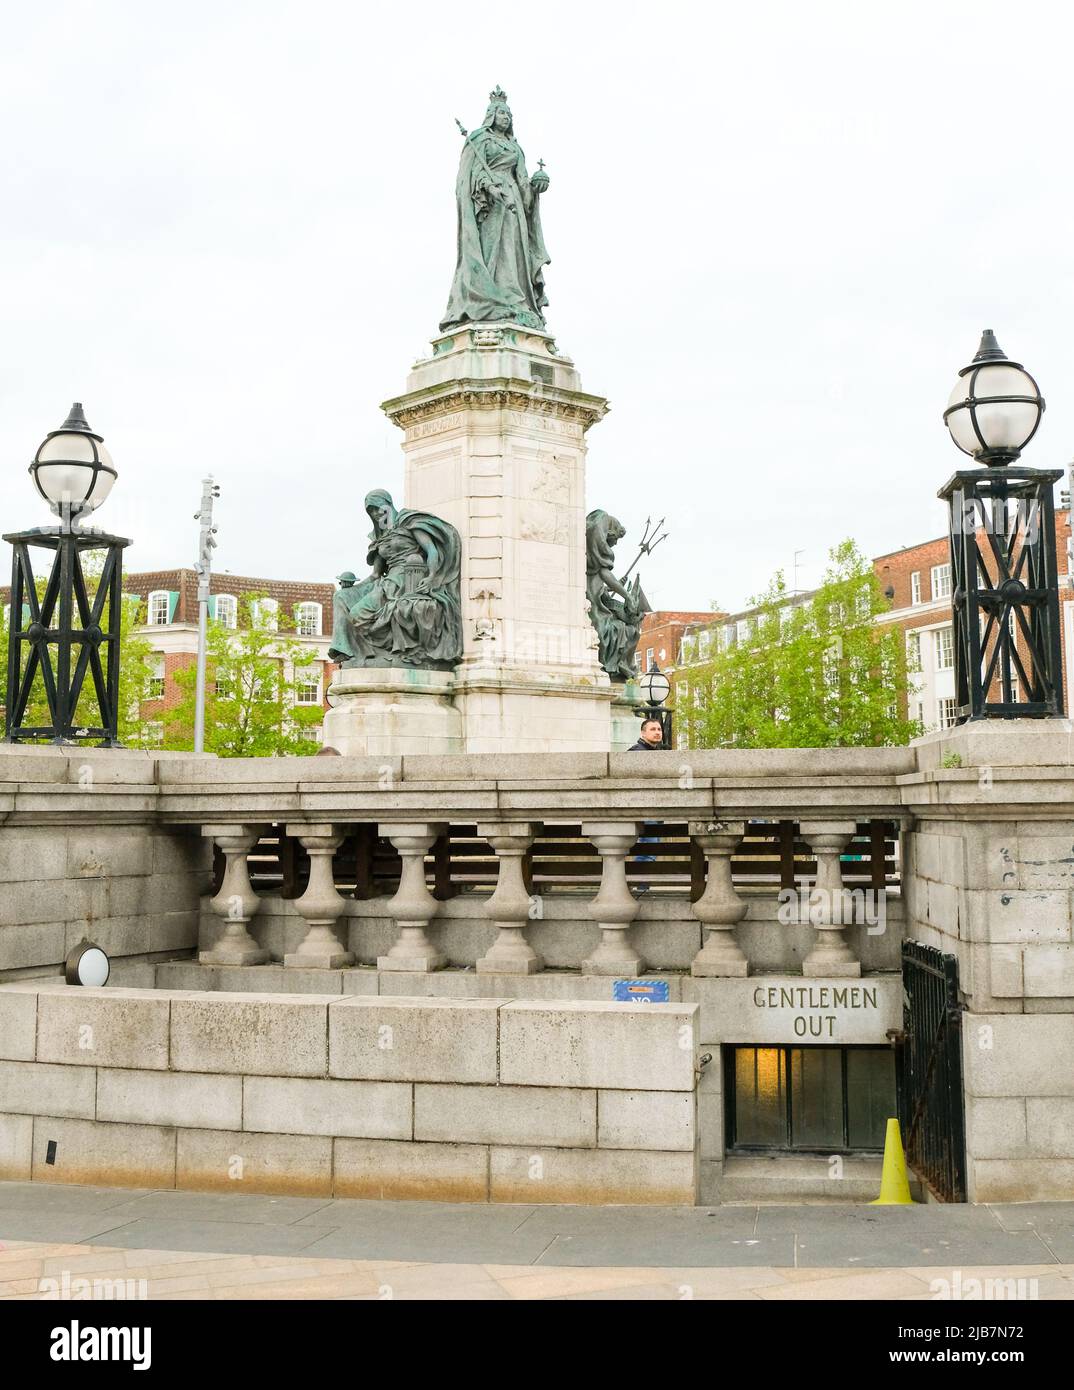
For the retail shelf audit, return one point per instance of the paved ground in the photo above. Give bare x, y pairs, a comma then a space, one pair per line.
237, 1245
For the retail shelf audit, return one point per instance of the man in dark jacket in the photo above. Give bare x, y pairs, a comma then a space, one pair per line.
651, 741
652, 737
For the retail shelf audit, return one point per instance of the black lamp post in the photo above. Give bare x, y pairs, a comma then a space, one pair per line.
73, 472
1004, 576
655, 688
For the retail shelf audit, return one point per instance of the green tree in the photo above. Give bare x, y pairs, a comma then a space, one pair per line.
135, 668
250, 709
819, 673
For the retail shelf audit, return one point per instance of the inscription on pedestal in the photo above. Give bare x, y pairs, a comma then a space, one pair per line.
427, 427
520, 420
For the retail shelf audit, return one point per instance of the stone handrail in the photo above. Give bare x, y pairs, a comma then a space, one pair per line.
46, 784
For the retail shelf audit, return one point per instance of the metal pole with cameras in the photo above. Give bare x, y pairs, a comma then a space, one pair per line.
203, 568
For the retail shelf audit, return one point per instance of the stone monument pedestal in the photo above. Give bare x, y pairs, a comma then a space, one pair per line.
494, 425
392, 711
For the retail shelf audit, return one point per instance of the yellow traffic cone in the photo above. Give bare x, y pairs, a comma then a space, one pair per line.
894, 1187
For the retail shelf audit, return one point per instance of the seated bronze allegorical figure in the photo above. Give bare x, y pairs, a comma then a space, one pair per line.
408, 611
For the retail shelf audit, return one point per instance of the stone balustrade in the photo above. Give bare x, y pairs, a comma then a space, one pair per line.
409, 802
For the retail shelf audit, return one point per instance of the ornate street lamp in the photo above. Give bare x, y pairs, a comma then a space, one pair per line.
72, 470
1005, 593
655, 688
74, 473
995, 408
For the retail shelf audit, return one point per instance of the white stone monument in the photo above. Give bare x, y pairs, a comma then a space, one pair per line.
494, 436
494, 425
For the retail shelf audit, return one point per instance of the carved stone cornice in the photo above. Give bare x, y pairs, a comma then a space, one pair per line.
416, 407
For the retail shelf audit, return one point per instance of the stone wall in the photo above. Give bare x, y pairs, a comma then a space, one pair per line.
446, 1100
990, 879
134, 890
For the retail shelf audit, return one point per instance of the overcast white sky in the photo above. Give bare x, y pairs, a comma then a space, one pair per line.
776, 233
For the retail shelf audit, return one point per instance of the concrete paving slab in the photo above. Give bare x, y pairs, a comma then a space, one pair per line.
876, 1248
1021, 1216
225, 1237
38, 1224
668, 1248
473, 1248
344, 1213
64, 1197
243, 1207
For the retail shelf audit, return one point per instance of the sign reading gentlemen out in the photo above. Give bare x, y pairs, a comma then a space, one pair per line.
790, 1009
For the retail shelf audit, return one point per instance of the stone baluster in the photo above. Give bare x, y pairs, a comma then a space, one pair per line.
830, 955
719, 908
320, 904
413, 906
614, 907
236, 901
509, 906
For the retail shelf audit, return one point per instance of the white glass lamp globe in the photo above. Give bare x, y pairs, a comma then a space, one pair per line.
995, 407
72, 468
654, 686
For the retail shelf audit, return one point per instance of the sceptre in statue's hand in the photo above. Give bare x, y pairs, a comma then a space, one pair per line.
494, 187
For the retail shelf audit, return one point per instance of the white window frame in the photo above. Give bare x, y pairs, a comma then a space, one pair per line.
308, 614
231, 607
940, 579
650, 652
915, 588
304, 679
944, 646
157, 594
157, 677
945, 711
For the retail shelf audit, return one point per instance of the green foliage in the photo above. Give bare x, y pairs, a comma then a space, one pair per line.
951, 760
249, 698
820, 673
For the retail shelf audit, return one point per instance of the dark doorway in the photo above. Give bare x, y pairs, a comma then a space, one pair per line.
809, 1099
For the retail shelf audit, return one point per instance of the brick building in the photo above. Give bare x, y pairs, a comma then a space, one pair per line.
916, 581
302, 610
662, 634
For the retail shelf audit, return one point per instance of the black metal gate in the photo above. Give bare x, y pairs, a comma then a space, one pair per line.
929, 1071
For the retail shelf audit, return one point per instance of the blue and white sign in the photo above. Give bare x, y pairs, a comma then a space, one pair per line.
640, 991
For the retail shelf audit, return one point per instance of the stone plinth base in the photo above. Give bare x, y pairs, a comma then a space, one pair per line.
729, 968
504, 711
217, 957
475, 710
318, 960
392, 711
999, 743
831, 969
626, 725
